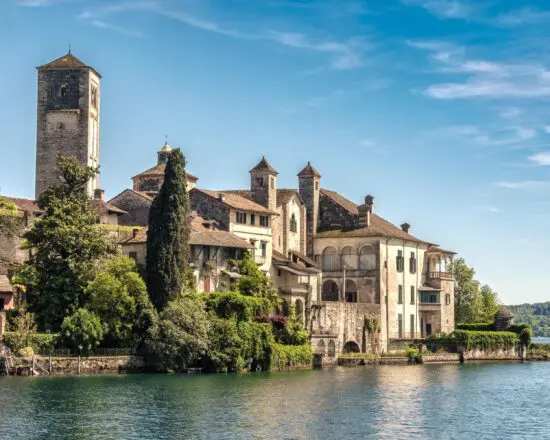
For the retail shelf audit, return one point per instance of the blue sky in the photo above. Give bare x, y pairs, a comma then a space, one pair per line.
439, 108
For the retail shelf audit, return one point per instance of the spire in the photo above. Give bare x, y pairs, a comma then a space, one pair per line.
309, 171
264, 165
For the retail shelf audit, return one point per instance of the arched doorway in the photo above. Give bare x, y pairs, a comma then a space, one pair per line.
330, 291
351, 347
351, 291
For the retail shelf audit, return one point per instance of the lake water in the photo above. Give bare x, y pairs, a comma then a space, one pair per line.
471, 401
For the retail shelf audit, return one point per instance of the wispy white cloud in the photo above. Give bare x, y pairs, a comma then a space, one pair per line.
525, 185
118, 29
547, 129
502, 136
510, 112
542, 158
447, 9
483, 78
524, 16
42, 3
489, 208
373, 146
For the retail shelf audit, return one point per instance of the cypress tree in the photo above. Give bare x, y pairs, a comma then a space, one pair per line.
168, 238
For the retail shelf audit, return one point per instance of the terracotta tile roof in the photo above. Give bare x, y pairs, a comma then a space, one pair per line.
102, 207
200, 234
5, 285
28, 205
158, 170
264, 165
378, 227
280, 260
284, 195
340, 200
309, 171
236, 199
68, 61
438, 250
305, 258
139, 193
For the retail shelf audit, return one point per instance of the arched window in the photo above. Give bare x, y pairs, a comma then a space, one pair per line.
293, 224
351, 347
330, 291
367, 258
351, 291
331, 348
349, 258
321, 346
284, 308
299, 305
331, 259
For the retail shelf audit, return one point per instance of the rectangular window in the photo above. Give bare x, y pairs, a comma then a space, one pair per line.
264, 249
412, 263
447, 299
399, 261
412, 294
413, 330
400, 325
400, 294
241, 218
264, 220
252, 219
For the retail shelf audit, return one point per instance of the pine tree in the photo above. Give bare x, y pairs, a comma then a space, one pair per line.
168, 237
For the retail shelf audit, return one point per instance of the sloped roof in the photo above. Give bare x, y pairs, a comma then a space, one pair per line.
234, 199
200, 234
284, 195
68, 61
379, 227
158, 170
279, 259
102, 207
264, 165
28, 205
309, 171
438, 250
166, 148
138, 193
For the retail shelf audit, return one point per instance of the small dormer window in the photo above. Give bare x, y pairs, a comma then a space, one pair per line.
62, 93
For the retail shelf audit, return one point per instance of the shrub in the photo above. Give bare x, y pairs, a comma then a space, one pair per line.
283, 356
82, 331
525, 336
236, 305
42, 343
478, 327
414, 355
484, 339
26, 352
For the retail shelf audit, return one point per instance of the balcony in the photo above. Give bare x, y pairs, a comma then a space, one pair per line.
296, 288
440, 275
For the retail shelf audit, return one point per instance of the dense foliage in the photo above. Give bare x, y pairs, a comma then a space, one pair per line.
536, 315
473, 303
11, 219
180, 336
119, 297
41, 343
235, 305
82, 331
480, 327
66, 245
484, 339
167, 261
284, 356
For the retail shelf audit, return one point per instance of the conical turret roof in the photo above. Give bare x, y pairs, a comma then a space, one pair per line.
309, 171
264, 165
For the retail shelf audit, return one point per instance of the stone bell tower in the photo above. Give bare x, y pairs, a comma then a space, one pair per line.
68, 117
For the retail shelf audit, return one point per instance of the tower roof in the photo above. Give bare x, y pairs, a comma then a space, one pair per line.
264, 165
309, 171
68, 61
166, 148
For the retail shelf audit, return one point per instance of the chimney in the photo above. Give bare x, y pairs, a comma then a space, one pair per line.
221, 197
365, 211
405, 227
99, 194
135, 232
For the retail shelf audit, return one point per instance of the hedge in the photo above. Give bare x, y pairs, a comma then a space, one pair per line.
477, 327
283, 356
236, 305
41, 343
484, 339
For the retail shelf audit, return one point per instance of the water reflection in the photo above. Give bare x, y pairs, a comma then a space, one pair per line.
474, 401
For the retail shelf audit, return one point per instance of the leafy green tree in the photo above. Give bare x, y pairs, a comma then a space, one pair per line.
466, 292
168, 239
180, 337
82, 331
11, 220
253, 281
224, 353
490, 304
119, 297
295, 333
66, 246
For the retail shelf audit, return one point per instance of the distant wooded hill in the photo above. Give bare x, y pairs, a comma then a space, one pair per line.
537, 315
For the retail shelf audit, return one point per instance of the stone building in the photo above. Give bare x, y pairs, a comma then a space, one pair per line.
210, 252
68, 118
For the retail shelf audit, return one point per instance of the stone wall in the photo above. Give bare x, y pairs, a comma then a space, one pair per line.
333, 216
210, 208
491, 354
73, 366
135, 205
309, 191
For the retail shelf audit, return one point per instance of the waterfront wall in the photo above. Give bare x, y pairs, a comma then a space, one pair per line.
73, 366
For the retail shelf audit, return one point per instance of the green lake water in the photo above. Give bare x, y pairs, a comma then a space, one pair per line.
471, 401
